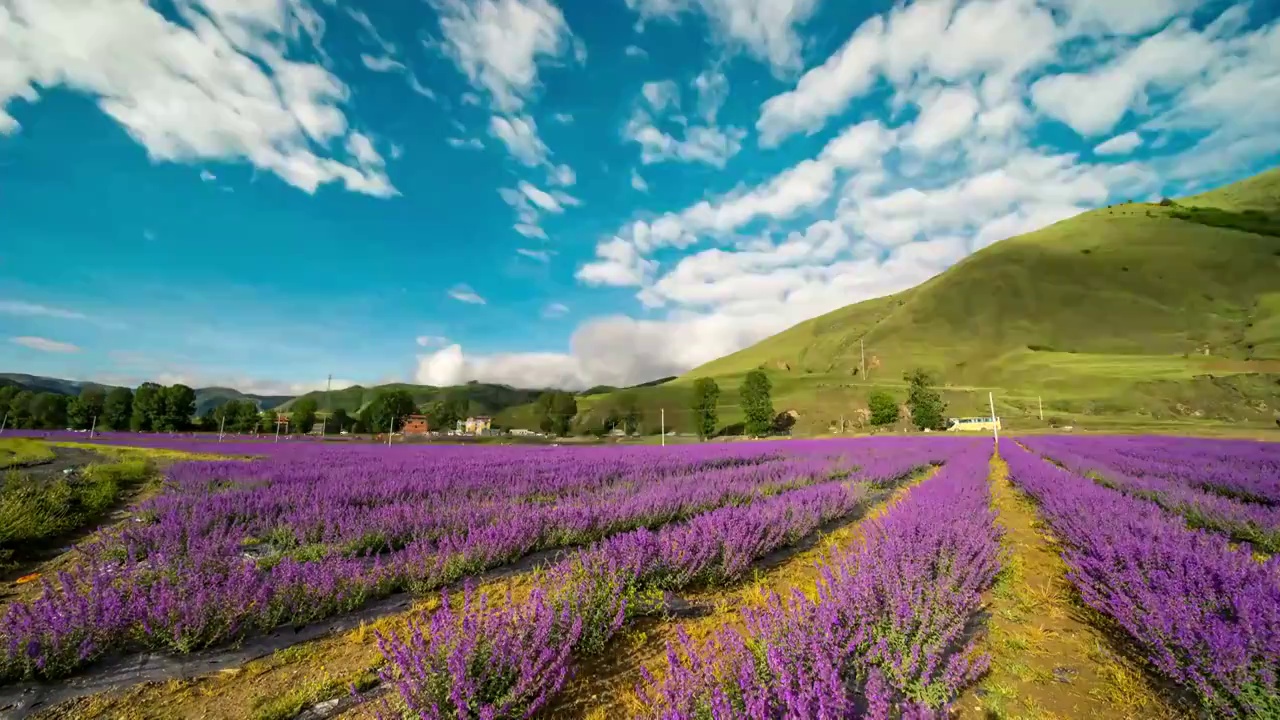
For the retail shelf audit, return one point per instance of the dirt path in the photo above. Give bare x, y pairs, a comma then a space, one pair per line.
1048, 660
604, 686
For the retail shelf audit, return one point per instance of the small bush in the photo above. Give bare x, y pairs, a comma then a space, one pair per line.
1166, 202
34, 510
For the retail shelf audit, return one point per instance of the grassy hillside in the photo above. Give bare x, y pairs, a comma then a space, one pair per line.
1137, 310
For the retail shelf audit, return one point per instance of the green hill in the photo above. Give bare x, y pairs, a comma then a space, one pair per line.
206, 398
211, 397
1135, 312
483, 398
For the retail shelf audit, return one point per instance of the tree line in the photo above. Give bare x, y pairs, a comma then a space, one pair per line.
151, 407
924, 405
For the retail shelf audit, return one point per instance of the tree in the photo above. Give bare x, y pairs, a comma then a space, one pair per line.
20, 409
82, 411
341, 421
884, 409
389, 405
49, 411
706, 397
7, 394
556, 410
445, 413
756, 403
303, 414
117, 408
148, 406
629, 412
177, 407
926, 405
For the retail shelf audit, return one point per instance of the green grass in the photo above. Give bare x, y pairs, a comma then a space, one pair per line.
35, 509
16, 452
1104, 315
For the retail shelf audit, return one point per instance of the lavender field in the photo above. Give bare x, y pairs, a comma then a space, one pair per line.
1166, 544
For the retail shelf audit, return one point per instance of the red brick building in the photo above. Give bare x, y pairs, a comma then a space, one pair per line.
416, 425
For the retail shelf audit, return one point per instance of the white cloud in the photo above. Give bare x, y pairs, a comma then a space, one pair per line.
562, 118
1119, 145
520, 135
1121, 18
1235, 102
555, 310
218, 86
465, 143
497, 44
1093, 102
638, 182
381, 63
713, 89
633, 51
542, 256
804, 185
765, 29
944, 117
431, 340
929, 38
661, 95
563, 175
706, 144
540, 198
463, 293
206, 176
44, 344
26, 309
618, 264
530, 231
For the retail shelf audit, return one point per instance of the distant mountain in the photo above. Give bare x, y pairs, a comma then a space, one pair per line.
482, 398
206, 398
211, 397
39, 384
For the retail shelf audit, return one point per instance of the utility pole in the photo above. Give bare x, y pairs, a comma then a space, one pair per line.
328, 406
4, 422
841, 423
995, 422
277, 427
863, 347
1041, 404
222, 427
93, 426
392, 430
664, 426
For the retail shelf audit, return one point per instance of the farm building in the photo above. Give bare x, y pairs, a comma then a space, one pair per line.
416, 425
475, 425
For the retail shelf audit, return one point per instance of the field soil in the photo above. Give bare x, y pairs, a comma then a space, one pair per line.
604, 686
308, 674
1049, 658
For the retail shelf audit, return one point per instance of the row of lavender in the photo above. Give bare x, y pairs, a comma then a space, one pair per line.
1206, 614
887, 634
182, 579
889, 615
1227, 486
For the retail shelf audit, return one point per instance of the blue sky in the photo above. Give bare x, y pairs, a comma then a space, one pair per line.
563, 192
